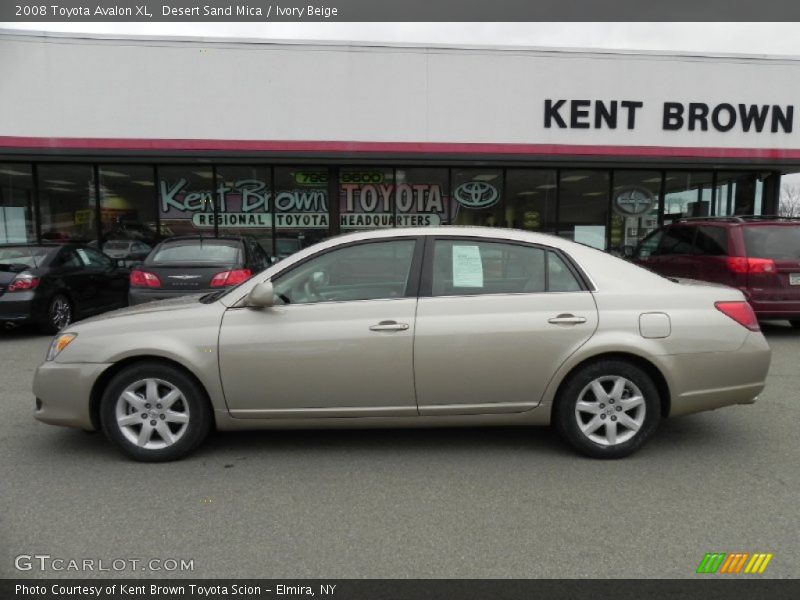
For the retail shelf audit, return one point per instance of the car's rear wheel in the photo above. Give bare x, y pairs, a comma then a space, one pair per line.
59, 315
155, 412
608, 409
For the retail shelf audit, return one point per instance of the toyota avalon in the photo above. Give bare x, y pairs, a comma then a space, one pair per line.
412, 327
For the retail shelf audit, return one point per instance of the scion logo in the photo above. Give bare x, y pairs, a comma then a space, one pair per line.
734, 563
476, 194
633, 201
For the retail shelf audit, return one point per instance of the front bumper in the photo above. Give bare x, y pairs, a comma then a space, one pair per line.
63, 392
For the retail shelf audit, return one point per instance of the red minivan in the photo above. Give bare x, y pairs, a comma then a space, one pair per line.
758, 255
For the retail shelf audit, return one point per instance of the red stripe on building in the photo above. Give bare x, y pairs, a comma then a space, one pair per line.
429, 148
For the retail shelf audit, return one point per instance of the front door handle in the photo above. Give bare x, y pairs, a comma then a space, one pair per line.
566, 319
389, 326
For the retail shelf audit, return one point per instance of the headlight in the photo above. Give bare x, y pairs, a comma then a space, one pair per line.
59, 343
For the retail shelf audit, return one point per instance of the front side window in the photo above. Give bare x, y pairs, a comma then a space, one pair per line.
677, 240
649, 244
93, 258
372, 271
470, 267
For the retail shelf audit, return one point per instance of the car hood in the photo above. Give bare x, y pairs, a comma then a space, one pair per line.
149, 307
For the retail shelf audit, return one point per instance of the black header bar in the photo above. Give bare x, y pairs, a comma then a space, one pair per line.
254, 11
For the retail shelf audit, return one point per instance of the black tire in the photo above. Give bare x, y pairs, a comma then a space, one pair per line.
794, 323
60, 313
192, 402
607, 373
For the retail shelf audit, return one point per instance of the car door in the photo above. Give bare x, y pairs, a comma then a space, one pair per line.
495, 320
338, 342
69, 273
109, 281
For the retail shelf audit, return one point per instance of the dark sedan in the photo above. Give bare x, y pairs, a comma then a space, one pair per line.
52, 285
194, 264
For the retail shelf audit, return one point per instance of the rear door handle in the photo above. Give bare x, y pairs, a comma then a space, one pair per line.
566, 319
389, 326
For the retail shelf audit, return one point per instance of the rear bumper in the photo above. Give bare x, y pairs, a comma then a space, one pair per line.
16, 308
63, 392
710, 380
782, 309
142, 295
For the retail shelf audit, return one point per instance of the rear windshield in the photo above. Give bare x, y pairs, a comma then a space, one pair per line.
23, 255
116, 245
196, 251
773, 241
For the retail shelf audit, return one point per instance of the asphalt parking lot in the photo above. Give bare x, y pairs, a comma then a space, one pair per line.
508, 502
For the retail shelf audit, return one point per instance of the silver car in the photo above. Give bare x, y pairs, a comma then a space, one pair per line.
412, 327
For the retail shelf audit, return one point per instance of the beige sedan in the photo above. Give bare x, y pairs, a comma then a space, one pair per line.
412, 327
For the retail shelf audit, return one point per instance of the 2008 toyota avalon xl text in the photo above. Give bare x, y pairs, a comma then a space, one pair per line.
412, 327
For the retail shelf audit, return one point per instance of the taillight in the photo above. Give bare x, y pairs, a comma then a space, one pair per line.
144, 279
233, 277
741, 312
743, 265
23, 282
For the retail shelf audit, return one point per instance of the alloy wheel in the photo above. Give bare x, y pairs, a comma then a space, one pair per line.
152, 414
60, 312
610, 410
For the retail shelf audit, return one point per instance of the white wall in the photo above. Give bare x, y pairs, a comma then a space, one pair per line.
86, 88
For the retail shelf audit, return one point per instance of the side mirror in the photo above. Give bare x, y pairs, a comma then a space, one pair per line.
261, 296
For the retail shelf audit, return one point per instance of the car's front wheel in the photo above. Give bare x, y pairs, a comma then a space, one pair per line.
608, 409
155, 412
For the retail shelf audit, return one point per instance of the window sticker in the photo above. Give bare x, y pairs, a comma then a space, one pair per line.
467, 267
82, 253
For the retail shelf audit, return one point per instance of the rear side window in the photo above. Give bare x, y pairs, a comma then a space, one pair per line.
772, 241
712, 241
197, 252
677, 240
472, 267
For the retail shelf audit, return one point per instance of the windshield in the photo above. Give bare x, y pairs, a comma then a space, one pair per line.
196, 251
23, 255
772, 241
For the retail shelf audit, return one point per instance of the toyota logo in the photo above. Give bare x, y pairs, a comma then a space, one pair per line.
476, 194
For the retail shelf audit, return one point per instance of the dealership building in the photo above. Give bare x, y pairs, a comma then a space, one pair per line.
140, 138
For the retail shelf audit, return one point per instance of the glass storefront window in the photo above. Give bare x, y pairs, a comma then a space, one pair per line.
366, 198
16, 204
421, 198
301, 208
634, 207
583, 210
186, 200
245, 203
738, 193
477, 195
531, 198
687, 194
127, 198
67, 202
